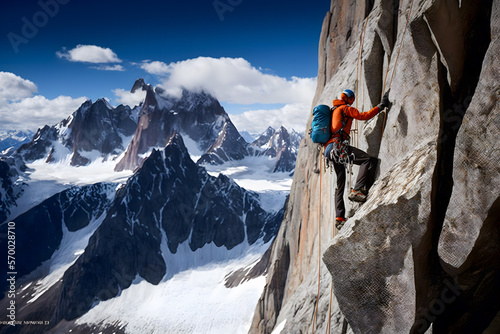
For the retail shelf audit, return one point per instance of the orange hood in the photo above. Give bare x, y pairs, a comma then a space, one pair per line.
337, 103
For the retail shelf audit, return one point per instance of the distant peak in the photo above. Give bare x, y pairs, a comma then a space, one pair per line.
105, 102
199, 94
140, 84
150, 99
282, 129
176, 152
176, 139
84, 106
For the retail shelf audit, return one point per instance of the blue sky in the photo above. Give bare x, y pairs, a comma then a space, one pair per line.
252, 55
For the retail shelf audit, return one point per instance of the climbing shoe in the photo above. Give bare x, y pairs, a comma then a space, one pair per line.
339, 222
357, 196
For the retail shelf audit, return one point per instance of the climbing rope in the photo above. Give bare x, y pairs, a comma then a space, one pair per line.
343, 157
348, 162
319, 241
395, 63
328, 326
359, 78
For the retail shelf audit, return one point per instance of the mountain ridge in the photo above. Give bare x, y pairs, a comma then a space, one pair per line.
168, 202
12, 139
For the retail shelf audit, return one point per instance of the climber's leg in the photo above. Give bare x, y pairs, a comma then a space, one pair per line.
339, 191
371, 174
366, 170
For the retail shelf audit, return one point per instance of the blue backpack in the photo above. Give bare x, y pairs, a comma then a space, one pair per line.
320, 131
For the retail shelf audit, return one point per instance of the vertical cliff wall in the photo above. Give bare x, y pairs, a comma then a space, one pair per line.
421, 254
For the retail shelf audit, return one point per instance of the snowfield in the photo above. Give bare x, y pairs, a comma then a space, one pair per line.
255, 174
72, 246
192, 301
192, 297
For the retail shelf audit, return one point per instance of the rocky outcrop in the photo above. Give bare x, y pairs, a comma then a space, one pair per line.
420, 251
39, 231
230, 145
11, 184
40, 145
140, 84
99, 127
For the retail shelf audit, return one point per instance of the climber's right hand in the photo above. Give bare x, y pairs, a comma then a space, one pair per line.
385, 101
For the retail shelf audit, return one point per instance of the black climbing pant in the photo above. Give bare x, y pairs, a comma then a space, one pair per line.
366, 175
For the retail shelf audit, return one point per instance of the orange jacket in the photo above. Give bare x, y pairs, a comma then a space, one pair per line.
350, 113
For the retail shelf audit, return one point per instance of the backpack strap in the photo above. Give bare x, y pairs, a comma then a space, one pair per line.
344, 119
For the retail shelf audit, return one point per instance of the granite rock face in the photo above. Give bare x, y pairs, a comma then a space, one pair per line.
420, 254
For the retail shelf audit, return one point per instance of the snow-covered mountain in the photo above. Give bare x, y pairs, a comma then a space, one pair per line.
94, 240
249, 137
280, 144
98, 130
196, 115
171, 215
229, 145
94, 130
12, 139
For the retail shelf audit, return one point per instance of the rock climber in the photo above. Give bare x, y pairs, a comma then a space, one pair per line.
342, 117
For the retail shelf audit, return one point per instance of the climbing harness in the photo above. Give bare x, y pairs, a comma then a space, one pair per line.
340, 150
340, 153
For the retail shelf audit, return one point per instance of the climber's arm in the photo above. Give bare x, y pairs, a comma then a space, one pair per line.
362, 116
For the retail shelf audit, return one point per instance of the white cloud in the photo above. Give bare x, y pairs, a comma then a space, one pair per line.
291, 116
128, 98
13, 87
117, 67
34, 112
233, 80
155, 67
20, 110
89, 54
